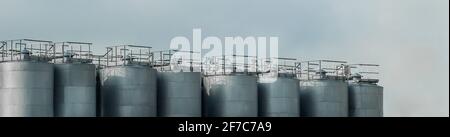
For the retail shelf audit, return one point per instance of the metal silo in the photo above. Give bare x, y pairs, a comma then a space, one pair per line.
179, 94
179, 87
75, 83
365, 96
230, 96
323, 95
128, 82
26, 84
278, 92
229, 93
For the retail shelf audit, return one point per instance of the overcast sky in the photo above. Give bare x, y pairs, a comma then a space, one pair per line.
408, 38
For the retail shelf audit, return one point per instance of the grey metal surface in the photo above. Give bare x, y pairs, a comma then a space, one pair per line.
323, 98
179, 94
75, 90
279, 98
365, 100
26, 89
230, 96
128, 91
98, 95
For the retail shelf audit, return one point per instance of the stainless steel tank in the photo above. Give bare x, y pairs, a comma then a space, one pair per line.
75, 91
278, 98
365, 99
179, 94
26, 89
323, 98
128, 91
230, 96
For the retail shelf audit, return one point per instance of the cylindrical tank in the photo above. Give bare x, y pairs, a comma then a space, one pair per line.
179, 94
230, 96
323, 98
278, 97
26, 89
365, 99
128, 91
75, 90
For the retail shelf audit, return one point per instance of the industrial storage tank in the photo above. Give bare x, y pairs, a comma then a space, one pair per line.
279, 98
26, 84
278, 94
179, 89
230, 96
179, 94
229, 93
75, 82
324, 95
324, 98
128, 83
365, 99
365, 96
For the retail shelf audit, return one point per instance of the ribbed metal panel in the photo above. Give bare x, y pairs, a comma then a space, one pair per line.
128, 91
365, 100
75, 90
26, 89
279, 98
324, 98
230, 96
179, 94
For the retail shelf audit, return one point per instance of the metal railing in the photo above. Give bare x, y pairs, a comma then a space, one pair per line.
27, 50
320, 69
278, 67
230, 64
363, 72
176, 60
166, 60
73, 52
123, 55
